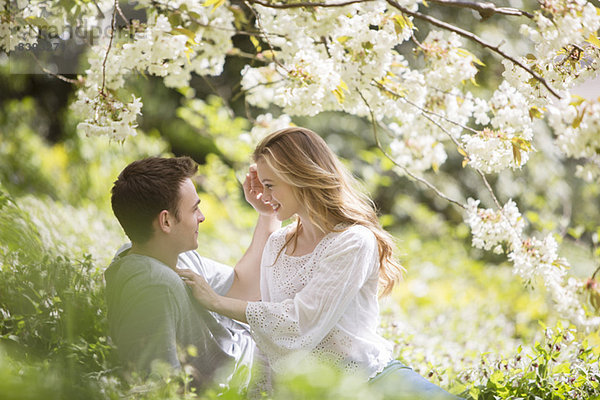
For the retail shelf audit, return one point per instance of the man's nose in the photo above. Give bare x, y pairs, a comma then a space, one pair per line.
200, 217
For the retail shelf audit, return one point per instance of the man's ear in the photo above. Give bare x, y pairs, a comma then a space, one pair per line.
164, 221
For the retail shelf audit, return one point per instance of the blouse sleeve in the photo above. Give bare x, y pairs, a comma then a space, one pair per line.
219, 276
302, 322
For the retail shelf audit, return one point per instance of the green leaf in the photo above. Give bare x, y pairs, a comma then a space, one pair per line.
191, 35
563, 368
521, 144
593, 40
343, 39
37, 21
516, 154
576, 232
240, 18
175, 19
577, 100
578, 119
467, 54
255, 43
339, 91
401, 22
214, 3
535, 112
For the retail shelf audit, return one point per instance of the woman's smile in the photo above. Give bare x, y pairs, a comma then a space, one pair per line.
276, 192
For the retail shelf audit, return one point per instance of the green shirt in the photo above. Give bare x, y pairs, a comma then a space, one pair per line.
152, 315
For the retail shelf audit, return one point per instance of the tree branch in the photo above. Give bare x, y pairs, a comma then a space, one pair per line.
306, 4
100, 13
475, 38
485, 9
209, 26
47, 71
112, 35
264, 34
489, 188
424, 112
406, 170
122, 15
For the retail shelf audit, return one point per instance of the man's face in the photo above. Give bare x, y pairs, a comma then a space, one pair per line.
185, 231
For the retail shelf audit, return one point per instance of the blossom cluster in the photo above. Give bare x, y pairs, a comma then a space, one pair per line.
560, 24
566, 48
448, 62
106, 116
508, 143
159, 48
265, 124
24, 22
533, 259
576, 125
493, 229
433, 111
340, 51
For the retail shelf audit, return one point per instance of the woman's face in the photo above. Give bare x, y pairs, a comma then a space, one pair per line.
276, 192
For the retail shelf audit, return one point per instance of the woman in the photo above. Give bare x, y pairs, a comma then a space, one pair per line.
320, 276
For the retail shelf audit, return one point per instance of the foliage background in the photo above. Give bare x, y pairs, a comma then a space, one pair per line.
460, 317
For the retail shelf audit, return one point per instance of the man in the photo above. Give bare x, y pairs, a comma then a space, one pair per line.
151, 313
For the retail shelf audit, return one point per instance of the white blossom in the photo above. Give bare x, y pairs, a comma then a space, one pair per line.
498, 230
265, 124
576, 124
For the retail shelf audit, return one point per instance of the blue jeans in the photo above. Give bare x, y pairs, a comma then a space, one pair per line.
397, 381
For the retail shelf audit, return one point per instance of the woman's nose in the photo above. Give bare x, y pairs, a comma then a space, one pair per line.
266, 197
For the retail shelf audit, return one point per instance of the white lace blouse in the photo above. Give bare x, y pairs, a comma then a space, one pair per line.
324, 303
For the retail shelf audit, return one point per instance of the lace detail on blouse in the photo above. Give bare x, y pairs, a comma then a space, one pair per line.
292, 273
324, 302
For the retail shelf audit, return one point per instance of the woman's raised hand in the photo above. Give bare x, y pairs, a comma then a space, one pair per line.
253, 191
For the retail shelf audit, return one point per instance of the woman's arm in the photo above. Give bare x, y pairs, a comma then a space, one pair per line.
246, 284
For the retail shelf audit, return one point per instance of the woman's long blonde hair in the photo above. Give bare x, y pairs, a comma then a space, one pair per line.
302, 159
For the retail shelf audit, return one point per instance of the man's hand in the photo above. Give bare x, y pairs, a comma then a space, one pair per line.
253, 191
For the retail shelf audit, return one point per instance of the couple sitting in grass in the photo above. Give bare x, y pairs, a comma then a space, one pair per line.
308, 290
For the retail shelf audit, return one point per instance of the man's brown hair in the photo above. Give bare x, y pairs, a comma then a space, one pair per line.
145, 188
